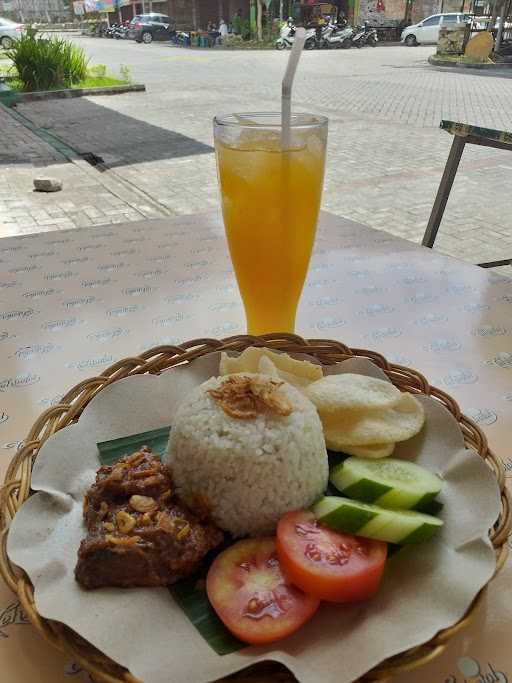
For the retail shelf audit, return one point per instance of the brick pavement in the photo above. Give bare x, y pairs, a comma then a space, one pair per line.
386, 153
86, 199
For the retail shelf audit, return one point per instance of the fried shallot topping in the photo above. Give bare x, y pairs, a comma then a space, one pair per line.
244, 397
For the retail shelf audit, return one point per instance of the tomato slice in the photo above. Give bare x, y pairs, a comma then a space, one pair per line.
247, 589
324, 563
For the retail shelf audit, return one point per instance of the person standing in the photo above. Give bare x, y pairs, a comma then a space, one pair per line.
213, 33
223, 31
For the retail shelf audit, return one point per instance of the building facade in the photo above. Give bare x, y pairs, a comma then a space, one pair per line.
395, 12
35, 11
190, 14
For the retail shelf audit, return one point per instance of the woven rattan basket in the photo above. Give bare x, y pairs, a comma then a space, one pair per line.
154, 361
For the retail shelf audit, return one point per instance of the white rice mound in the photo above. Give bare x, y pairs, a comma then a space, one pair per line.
250, 471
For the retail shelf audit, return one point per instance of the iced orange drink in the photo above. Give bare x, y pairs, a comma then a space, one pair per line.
270, 202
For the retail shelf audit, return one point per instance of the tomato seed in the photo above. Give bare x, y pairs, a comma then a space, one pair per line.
307, 529
312, 552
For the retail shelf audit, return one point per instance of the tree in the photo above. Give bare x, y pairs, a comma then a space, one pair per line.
259, 19
500, 8
408, 12
495, 9
504, 13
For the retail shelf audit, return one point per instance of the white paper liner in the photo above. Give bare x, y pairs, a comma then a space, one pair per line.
425, 588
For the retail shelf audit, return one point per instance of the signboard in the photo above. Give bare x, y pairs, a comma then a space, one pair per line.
103, 5
79, 8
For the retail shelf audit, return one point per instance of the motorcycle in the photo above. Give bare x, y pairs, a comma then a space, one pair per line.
370, 36
365, 35
319, 39
329, 36
110, 30
120, 32
357, 38
287, 36
338, 35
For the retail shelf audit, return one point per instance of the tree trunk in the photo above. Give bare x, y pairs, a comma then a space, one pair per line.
495, 9
408, 12
259, 23
20, 12
194, 15
281, 11
504, 11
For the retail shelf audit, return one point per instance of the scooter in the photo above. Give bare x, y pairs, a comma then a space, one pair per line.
357, 38
121, 32
336, 36
110, 30
321, 39
370, 37
287, 36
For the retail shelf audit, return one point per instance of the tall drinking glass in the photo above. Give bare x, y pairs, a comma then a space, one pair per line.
270, 203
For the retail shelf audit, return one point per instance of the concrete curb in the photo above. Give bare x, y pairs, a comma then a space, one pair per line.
436, 61
10, 97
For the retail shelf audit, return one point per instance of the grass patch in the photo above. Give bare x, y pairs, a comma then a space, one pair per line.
15, 84
98, 82
89, 82
248, 45
96, 77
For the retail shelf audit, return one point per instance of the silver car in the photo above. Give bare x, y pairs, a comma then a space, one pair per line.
9, 31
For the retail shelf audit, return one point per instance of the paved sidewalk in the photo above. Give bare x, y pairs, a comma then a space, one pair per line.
86, 198
381, 173
386, 152
19, 145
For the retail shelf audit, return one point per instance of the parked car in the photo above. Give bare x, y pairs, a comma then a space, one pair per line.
145, 28
9, 31
427, 31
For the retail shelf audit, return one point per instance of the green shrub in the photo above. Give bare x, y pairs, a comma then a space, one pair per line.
124, 72
97, 71
232, 40
246, 29
47, 63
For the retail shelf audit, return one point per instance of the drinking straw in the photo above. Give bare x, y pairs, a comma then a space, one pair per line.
286, 88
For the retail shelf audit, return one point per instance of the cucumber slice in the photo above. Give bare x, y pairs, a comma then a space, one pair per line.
363, 519
432, 507
390, 482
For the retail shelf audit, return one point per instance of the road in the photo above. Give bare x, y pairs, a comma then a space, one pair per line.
386, 152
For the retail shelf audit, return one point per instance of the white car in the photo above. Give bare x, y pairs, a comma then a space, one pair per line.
9, 31
427, 31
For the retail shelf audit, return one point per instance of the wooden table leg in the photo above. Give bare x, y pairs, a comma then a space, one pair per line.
496, 264
452, 164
